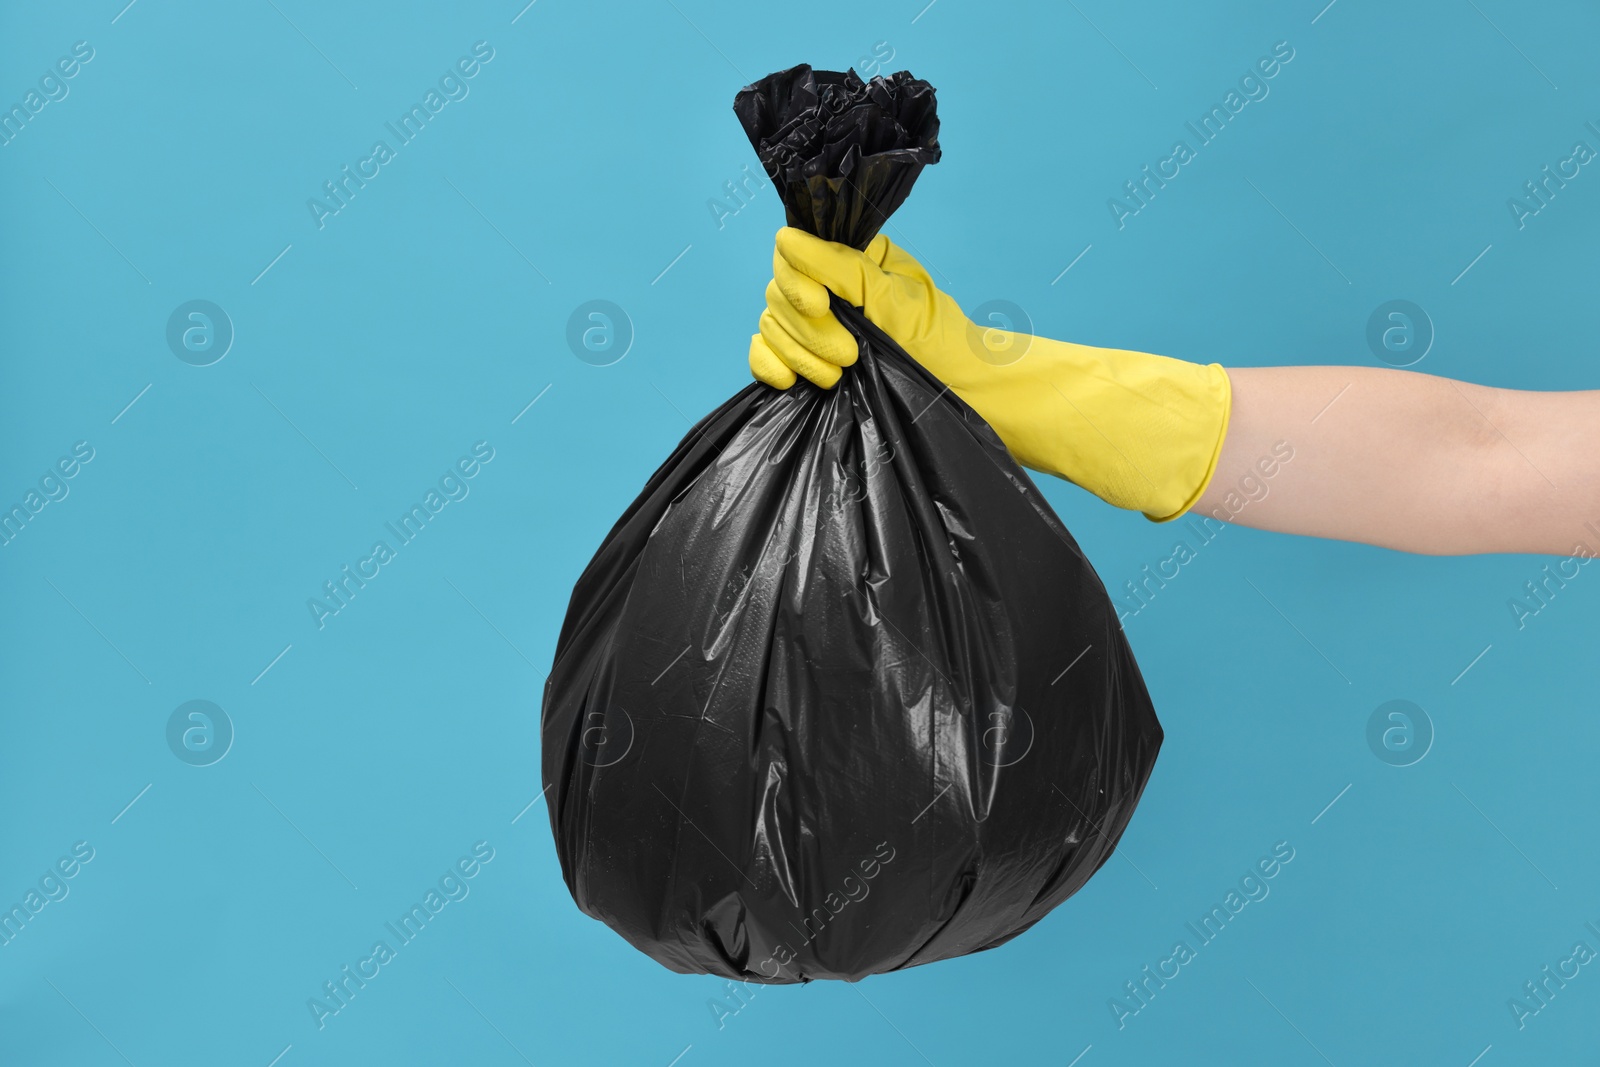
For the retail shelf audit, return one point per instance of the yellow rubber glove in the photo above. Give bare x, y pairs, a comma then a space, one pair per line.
1138, 431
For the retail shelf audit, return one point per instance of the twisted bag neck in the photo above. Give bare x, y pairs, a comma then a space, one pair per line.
843, 153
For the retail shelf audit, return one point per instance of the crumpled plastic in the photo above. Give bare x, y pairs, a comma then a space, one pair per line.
839, 694
843, 153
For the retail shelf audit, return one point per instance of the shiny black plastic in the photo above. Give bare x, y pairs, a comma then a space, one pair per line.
839, 694
842, 152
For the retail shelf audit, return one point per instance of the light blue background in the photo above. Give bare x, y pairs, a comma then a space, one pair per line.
431, 310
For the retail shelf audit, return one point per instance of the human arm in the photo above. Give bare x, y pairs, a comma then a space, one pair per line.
1409, 461
1394, 458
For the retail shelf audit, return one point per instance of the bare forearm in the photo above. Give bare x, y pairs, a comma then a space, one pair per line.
1409, 461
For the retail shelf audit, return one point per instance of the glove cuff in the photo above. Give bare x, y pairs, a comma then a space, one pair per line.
1205, 462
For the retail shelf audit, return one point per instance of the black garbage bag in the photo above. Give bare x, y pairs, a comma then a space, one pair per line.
839, 694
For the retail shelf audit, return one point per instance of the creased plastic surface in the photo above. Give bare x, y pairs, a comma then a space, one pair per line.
841, 152
838, 694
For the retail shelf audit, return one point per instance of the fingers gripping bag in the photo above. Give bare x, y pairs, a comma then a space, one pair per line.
839, 694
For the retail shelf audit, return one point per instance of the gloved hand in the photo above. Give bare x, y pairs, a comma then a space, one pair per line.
1138, 431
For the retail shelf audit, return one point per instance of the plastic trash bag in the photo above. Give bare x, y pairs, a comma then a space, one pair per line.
839, 694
